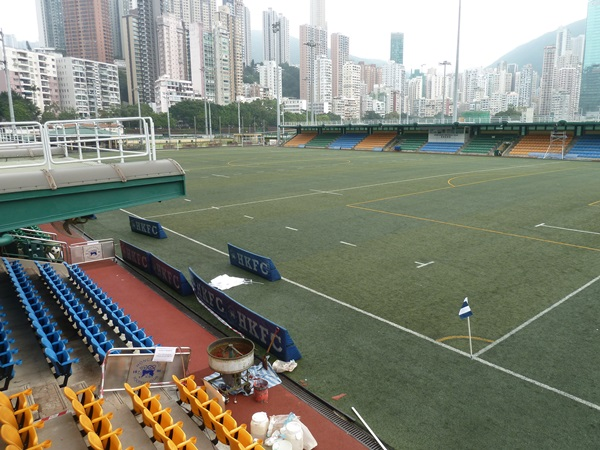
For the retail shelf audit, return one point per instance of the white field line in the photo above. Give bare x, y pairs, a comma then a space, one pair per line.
538, 384
348, 243
290, 228
537, 316
566, 229
414, 333
220, 176
249, 217
325, 192
333, 191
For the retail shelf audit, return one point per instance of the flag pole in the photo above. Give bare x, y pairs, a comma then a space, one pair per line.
470, 340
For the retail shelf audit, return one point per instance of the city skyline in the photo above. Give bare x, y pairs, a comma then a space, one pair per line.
427, 41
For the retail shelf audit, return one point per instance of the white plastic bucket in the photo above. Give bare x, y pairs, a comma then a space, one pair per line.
293, 433
282, 445
259, 425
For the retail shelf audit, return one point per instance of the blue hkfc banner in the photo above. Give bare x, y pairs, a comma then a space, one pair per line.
136, 256
244, 320
170, 276
260, 265
147, 227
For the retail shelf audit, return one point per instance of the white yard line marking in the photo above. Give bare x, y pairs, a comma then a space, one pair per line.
566, 229
348, 243
420, 264
220, 176
534, 318
325, 192
366, 186
249, 217
414, 333
290, 228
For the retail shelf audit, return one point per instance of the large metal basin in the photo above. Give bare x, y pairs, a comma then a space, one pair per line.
231, 355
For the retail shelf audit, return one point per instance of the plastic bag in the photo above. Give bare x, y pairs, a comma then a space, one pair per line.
277, 422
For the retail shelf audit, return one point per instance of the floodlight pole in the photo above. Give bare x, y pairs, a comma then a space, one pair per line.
444, 63
311, 78
276, 29
455, 100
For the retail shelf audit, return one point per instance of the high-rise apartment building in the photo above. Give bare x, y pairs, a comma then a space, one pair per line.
323, 82
276, 44
589, 101
51, 25
317, 14
140, 49
270, 76
547, 81
397, 48
313, 42
340, 54
33, 75
88, 33
87, 87
172, 41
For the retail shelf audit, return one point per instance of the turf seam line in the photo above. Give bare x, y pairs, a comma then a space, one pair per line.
537, 316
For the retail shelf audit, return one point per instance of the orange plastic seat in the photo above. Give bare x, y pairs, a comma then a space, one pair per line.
25, 419
142, 397
20, 405
183, 386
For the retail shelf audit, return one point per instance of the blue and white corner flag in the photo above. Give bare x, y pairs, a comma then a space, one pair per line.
465, 310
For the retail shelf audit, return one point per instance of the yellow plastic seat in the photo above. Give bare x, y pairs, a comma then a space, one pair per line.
165, 422
170, 445
28, 439
25, 419
93, 411
20, 405
152, 405
178, 437
110, 441
245, 441
85, 396
226, 428
145, 397
103, 426
183, 388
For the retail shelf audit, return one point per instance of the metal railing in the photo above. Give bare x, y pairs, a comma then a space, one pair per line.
30, 144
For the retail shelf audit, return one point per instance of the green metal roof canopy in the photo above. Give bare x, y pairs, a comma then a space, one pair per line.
41, 196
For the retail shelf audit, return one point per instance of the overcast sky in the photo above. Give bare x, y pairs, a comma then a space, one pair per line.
489, 29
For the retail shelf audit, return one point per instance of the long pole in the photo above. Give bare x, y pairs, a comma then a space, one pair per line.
276, 27
369, 428
470, 340
455, 100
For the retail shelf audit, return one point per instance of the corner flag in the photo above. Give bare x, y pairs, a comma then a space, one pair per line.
465, 310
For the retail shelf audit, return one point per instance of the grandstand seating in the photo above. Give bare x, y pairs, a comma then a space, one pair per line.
110, 311
538, 145
482, 145
585, 147
442, 147
347, 141
412, 141
322, 140
300, 140
376, 141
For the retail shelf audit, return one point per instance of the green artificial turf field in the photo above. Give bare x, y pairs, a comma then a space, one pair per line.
377, 252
